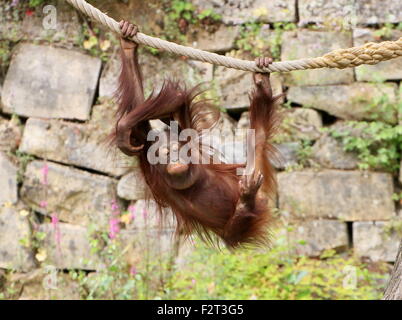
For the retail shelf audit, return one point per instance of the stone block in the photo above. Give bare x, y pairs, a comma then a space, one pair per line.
8, 180
358, 101
76, 196
14, 231
344, 195
303, 44
48, 82
371, 239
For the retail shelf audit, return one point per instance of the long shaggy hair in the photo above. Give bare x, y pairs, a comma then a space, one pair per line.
207, 207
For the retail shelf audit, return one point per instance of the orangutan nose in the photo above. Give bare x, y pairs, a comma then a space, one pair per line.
176, 168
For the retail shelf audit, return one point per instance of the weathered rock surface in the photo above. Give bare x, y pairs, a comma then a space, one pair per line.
44, 284
10, 134
241, 11
330, 153
350, 12
244, 121
108, 82
373, 12
327, 11
8, 180
10, 28
221, 40
307, 44
78, 197
299, 124
372, 240
132, 186
58, 23
317, 236
155, 71
287, 155
82, 145
145, 215
346, 195
145, 243
38, 83
13, 229
234, 86
357, 101
68, 247
226, 126
386, 70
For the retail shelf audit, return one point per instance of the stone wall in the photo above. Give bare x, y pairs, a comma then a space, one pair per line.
58, 177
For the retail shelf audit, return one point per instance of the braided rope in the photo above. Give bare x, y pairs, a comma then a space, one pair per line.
369, 53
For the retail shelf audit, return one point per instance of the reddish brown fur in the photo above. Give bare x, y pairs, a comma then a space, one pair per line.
212, 204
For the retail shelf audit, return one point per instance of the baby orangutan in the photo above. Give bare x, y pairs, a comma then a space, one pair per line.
205, 198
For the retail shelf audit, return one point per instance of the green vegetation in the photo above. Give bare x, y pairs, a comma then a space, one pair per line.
23, 160
36, 3
97, 43
258, 39
5, 56
219, 274
212, 274
180, 15
394, 226
276, 274
129, 270
378, 145
304, 152
385, 32
380, 107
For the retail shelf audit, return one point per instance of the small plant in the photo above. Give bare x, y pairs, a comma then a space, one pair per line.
36, 3
210, 15
253, 40
397, 197
5, 56
394, 227
96, 43
182, 10
247, 40
381, 108
304, 152
180, 15
377, 144
385, 32
276, 274
23, 160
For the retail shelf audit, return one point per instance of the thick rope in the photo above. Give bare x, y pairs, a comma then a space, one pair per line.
369, 53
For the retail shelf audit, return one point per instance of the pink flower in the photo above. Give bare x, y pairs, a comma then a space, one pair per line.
113, 228
114, 220
55, 219
133, 271
115, 208
131, 209
15, 3
43, 204
55, 224
45, 172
